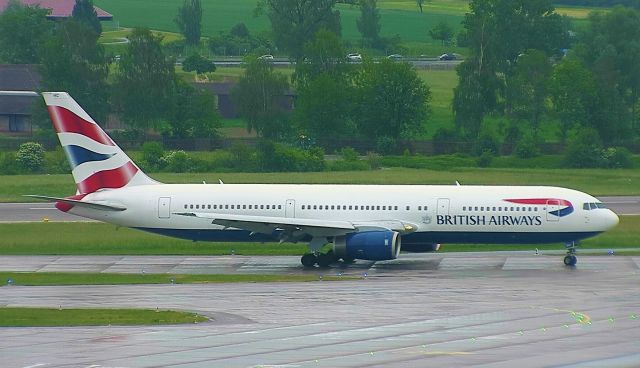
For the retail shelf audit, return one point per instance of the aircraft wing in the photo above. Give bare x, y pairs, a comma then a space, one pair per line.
295, 228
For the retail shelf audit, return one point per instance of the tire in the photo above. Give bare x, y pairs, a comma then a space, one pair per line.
570, 260
308, 260
324, 260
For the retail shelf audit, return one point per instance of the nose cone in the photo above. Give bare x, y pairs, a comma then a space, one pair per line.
610, 220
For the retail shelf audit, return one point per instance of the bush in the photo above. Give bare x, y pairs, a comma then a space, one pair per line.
177, 161
487, 142
152, 154
485, 159
374, 160
386, 145
584, 150
349, 154
30, 156
243, 157
443, 140
273, 157
617, 158
56, 162
8, 164
527, 147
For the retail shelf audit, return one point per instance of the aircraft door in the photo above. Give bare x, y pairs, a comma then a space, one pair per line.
290, 208
443, 206
553, 205
164, 207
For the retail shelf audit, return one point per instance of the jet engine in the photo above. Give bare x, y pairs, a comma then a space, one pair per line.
368, 245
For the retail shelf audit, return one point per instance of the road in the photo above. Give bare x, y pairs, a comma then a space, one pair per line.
36, 212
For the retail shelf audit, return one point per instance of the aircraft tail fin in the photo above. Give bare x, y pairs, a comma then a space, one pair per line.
97, 162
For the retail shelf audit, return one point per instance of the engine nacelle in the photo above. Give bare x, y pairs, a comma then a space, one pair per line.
368, 245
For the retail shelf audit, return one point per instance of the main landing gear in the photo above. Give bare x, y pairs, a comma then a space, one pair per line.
570, 259
323, 260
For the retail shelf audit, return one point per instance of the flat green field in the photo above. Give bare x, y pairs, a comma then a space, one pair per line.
103, 239
593, 181
48, 317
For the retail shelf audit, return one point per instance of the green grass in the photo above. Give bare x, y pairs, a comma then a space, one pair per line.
397, 17
49, 317
81, 278
104, 239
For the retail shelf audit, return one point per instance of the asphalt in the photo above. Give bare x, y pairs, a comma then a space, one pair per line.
42, 211
475, 309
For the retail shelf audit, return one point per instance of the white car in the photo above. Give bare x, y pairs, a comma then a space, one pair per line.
356, 58
266, 57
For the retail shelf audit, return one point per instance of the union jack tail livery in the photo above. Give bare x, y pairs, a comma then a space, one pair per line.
97, 162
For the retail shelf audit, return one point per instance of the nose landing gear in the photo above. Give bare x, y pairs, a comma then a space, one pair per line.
570, 259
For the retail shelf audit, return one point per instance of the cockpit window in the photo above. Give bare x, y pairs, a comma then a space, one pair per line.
593, 206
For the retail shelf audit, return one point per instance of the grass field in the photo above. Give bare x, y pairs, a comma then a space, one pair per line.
592, 181
400, 17
80, 278
104, 239
49, 317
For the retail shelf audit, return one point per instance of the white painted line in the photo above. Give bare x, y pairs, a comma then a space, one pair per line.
35, 365
43, 208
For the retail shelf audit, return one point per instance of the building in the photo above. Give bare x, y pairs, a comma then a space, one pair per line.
60, 9
227, 108
15, 111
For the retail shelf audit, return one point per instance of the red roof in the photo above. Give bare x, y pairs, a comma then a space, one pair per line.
59, 8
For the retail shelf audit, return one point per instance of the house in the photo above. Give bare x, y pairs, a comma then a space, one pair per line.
60, 9
227, 108
15, 111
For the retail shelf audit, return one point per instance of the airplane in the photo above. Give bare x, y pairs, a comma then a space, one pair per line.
367, 222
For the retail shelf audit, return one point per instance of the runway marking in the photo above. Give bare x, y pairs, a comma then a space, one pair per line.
35, 365
43, 208
447, 353
580, 318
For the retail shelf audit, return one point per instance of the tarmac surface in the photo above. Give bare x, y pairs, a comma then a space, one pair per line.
36, 212
506, 309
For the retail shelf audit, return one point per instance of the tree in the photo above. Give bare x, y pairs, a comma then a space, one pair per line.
323, 109
421, 4
193, 113
84, 12
442, 31
144, 81
572, 89
74, 61
498, 31
527, 90
294, 22
369, 23
392, 100
257, 96
609, 47
23, 31
195, 62
189, 20
325, 54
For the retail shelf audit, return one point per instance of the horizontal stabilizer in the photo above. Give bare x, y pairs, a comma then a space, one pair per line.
79, 203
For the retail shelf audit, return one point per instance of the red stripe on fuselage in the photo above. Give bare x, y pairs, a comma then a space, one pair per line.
551, 201
66, 121
65, 207
115, 178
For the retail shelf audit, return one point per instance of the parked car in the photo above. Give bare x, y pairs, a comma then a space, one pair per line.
355, 58
395, 57
266, 57
447, 57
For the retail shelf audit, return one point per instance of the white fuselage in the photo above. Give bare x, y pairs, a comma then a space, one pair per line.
441, 214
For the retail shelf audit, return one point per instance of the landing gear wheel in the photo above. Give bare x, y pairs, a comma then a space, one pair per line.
308, 260
324, 260
348, 260
570, 260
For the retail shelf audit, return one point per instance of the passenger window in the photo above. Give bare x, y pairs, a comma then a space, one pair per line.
408, 208
395, 208
377, 208
197, 206
262, 206
419, 208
